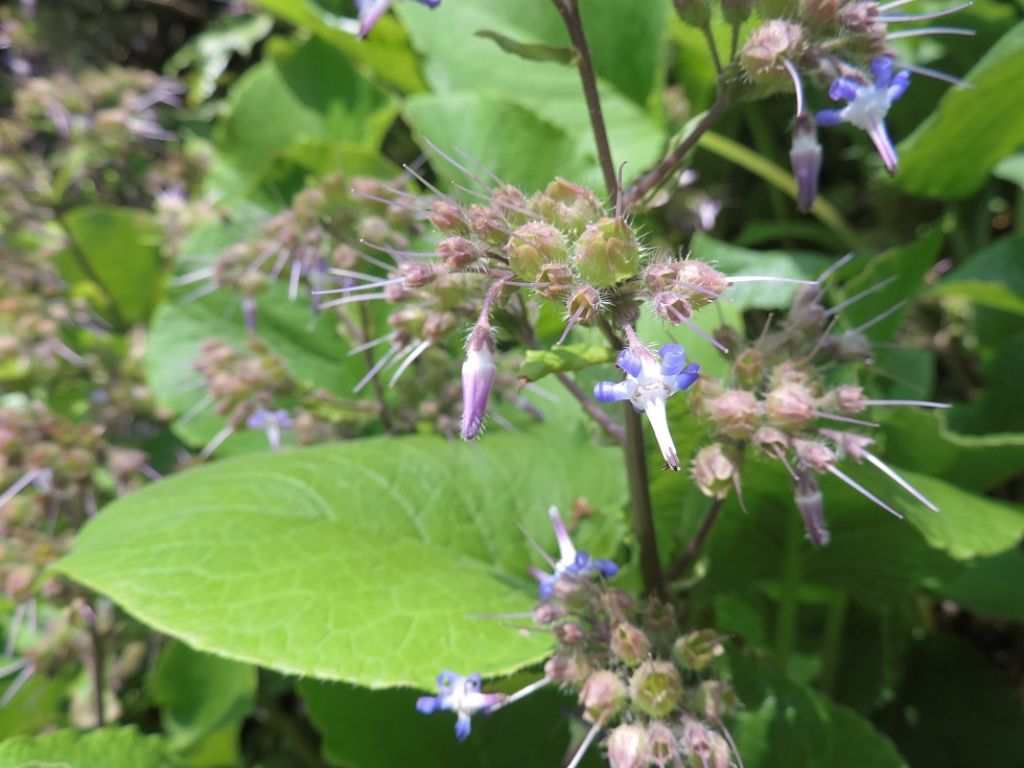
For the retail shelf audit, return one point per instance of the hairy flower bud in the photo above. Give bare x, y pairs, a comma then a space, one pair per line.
717, 699
478, 373
547, 613
789, 407
701, 282
629, 644
569, 633
418, 274
568, 206
847, 399
567, 666
814, 455
662, 745
704, 747
771, 441
770, 44
607, 253
447, 217
457, 252
805, 160
696, 650
714, 470
735, 413
696, 13
627, 747
811, 504
532, 245
584, 303
656, 688
555, 279
672, 306
603, 696
820, 14
617, 602
749, 367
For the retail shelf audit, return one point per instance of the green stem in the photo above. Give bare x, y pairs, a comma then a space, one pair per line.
765, 145
640, 504
786, 619
832, 643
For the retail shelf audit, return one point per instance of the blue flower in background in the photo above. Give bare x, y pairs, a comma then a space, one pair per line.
868, 104
459, 694
571, 562
371, 10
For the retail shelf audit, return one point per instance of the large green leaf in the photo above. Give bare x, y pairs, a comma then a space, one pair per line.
993, 277
550, 91
572, 357
951, 154
117, 249
532, 732
199, 693
103, 748
365, 561
992, 587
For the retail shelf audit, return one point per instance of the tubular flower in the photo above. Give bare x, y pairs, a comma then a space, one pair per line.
459, 694
649, 384
868, 104
478, 372
571, 562
371, 10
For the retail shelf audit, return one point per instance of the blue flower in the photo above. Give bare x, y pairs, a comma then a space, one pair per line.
868, 104
571, 562
272, 423
649, 384
371, 10
461, 695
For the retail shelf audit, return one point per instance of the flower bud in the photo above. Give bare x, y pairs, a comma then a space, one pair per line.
704, 748
547, 613
771, 441
820, 14
770, 44
510, 201
478, 373
487, 224
584, 302
717, 699
617, 602
789, 407
662, 745
805, 159
568, 206
656, 688
749, 367
659, 617
847, 399
569, 633
696, 13
735, 413
736, 11
437, 325
696, 650
814, 455
627, 747
457, 252
447, 217
555, 280
345, 256
713, 471
531, 246
701, 282
672, 306
603, 696
811, 504
417, 274
629, 644
607, 253
702, 392
567, 666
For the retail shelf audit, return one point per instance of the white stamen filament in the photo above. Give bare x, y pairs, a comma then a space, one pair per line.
21, 483
862, 490
863, 294
879, 318
351, 299
376, 367
845, 419
892, 474
923, 31
417, 351
585, 744
917, 403
902, 17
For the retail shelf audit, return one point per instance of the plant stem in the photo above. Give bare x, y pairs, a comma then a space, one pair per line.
97, 662
785, 629
687, 558
570, 12
832, 643
640, 504
661, 171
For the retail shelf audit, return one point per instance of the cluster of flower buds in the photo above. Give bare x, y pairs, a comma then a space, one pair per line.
35, 332
778, 400
638, 680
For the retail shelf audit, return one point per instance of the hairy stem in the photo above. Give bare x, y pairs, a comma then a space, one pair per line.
640, 504
570, 12
661, 171
692, 551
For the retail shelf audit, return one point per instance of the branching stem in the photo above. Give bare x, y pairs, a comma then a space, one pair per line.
679, 568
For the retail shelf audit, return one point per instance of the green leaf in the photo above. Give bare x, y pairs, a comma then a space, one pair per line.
968, 525
118, 250
199, 693
992, 587
508, 139
528, 51
385, 52
572, 357
950, 155
287, 99
102, 748
996, 408
787, 725
954, 709
993, 277
364, 561
551, 92
735, 261
533, 732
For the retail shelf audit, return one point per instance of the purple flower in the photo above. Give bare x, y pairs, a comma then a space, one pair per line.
868, 104
805, 158
271, 422
649, 384
461, 695
478, 372
571, 562
371, 10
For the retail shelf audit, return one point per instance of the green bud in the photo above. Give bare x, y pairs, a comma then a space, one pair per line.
696, 650
607, 253
568, 206
749, 367
736, 11
656, 688
603, 696
696, 13
532, 246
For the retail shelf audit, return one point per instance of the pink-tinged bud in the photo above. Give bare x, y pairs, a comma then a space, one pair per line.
627, 747
853, 347
849, 444
821, 14
457, 252
805, 160
397, 293
672, 306
447, 217
555, 280
736, 413
583, 303
701, 282
704, 747
811, 504
717, 700
789, 407
749, 367
547, 613
418, 274
662, 745
511, 202
567, 666
488, 224
603, 696
847, 399
568, 206
607, 253
771, 44
696, 650
790, 372
656, 688
771, 441
660, 276
617, 602
702, 392
714, 471
569, 633
478, 372
437, 325
630, 644
532, 246
814, 455
345, 256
